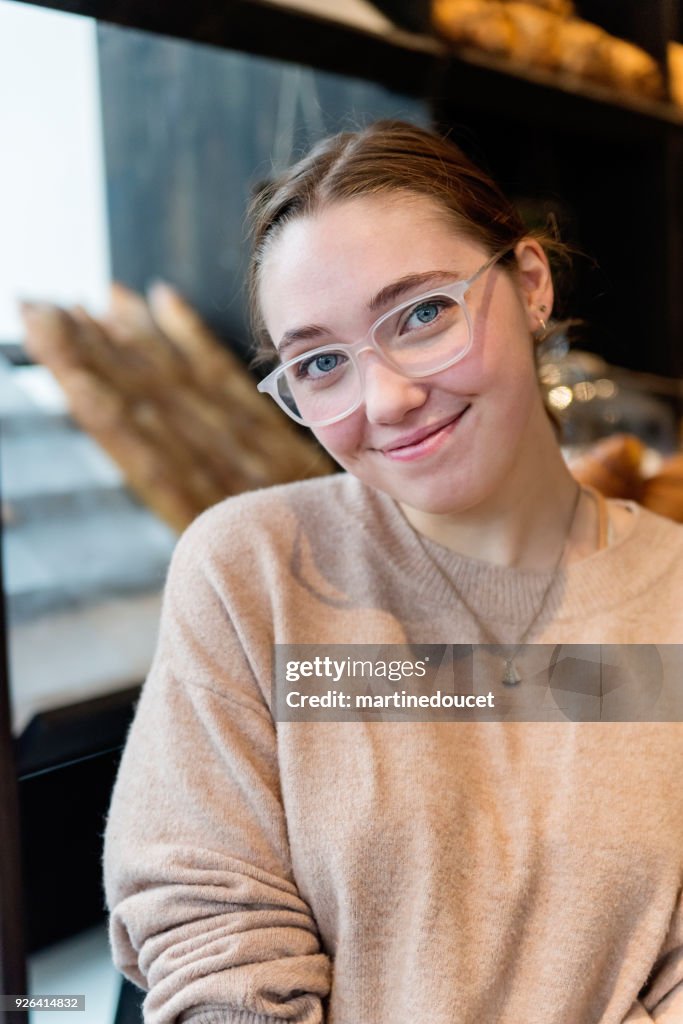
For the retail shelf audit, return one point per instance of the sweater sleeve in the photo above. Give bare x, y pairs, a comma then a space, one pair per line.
204, 909
668, 1011
662, 996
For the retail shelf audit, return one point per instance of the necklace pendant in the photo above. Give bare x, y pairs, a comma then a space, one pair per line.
511, 676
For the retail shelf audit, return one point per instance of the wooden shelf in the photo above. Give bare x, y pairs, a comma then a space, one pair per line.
410, 63
536, 94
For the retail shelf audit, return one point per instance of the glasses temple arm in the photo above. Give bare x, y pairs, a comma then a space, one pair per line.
489, 263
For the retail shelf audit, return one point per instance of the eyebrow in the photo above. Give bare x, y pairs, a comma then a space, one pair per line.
385, 297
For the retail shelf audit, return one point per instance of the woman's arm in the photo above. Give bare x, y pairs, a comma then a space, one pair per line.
205, 912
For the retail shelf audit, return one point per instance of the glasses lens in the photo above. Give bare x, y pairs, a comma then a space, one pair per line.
425, 336
319, 387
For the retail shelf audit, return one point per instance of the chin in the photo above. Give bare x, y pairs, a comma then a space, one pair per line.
438, 500
449, 491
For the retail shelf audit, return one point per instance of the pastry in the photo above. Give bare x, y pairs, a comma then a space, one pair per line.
542, 34
535, 37
612, 465
663, 493
561, 8
676, 72
481, 23
633, 70
582, 50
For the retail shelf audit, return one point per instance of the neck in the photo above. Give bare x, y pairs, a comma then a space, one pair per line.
525, 523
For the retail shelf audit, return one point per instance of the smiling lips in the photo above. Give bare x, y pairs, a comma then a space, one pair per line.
422, 442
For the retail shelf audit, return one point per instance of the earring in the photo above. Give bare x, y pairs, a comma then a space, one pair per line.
542, 329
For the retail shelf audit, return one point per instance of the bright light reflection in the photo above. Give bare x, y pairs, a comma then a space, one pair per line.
605, 388
584, 391
560, 397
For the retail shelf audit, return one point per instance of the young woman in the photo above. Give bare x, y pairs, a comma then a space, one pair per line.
407, 872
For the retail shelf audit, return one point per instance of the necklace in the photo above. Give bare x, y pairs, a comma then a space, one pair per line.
511, 676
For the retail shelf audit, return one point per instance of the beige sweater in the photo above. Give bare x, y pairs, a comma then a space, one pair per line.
392, 872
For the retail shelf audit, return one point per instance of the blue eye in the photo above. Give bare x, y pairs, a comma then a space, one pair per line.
427, 312
323, 364
424, 314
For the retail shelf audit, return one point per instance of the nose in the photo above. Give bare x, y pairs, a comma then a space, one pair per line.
388, 394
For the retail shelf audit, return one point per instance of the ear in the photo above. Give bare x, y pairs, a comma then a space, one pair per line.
535, 282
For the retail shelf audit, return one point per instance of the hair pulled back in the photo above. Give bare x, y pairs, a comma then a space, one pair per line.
386, 156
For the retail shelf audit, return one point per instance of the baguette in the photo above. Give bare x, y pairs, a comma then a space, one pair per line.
176, 410
258, 428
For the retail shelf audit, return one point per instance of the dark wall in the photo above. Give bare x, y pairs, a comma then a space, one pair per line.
187, 128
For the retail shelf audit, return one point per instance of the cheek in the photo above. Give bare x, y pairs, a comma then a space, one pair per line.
501, 358
341, 439
498, 371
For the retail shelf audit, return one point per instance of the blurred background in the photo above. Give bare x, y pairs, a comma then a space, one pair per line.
132, 135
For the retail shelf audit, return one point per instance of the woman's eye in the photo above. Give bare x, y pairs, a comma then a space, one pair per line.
319, 366
424, 314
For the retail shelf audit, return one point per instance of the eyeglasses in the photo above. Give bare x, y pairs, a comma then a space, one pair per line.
420, 337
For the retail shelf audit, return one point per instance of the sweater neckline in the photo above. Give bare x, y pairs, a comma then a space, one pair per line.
510, 595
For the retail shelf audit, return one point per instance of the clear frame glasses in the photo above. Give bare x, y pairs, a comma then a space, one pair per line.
420, 337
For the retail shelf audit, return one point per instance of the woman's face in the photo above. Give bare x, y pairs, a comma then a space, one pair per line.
481, 414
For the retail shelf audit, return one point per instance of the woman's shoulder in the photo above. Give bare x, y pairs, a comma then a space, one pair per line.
642, 525
262, 516
254, 544
313, 493
651, 545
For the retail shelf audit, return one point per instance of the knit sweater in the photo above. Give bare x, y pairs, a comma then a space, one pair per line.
392, 872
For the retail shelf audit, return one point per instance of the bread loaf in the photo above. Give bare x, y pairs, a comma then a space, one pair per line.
534, 35
663, 493
541, 33
676, 72
613, 466
562, 8
632, 70
481, 23
582, 50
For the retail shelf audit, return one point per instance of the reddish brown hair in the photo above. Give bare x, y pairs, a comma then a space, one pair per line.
386, 156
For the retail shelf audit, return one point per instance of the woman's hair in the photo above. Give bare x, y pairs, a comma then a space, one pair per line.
385, 157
